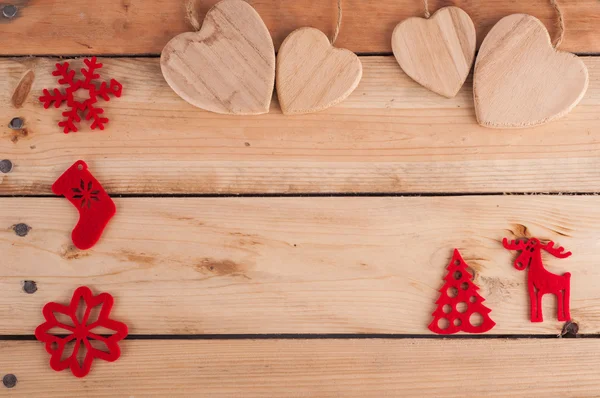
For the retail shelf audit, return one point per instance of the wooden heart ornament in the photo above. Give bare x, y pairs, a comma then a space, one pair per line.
228, 66
521, 80
312, 74
437, 52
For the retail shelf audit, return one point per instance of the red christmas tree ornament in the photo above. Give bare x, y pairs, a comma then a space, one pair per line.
87, 106
539, 280
95, 207
81, 332
459, 302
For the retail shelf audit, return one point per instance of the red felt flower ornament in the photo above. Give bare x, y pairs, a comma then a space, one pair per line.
81, 332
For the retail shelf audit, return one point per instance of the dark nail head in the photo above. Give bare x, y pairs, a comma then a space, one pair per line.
570, 330
29, 287
9, 380
16, 123
9, 11
5, 166
21, 229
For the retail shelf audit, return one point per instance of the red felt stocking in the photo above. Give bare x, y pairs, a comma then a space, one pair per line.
95, 207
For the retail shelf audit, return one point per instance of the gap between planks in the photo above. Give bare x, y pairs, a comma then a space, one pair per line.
328, 336
327, 195
157, 55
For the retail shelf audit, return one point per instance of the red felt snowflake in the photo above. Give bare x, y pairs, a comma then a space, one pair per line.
81, 332
76, 106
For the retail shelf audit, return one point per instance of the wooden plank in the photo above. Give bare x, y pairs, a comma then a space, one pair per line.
391, 135
296, 265
141, 27
320, 368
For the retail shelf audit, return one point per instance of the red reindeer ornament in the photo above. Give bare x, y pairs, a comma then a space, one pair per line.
539, 280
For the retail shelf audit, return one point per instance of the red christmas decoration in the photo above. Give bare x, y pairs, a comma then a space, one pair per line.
94, 113
81, 332
95, 207
458, 301
539, 280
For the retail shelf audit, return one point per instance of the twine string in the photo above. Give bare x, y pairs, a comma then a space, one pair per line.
192, 17
338, 25
561, 23
554, 3
192, 14
426, 8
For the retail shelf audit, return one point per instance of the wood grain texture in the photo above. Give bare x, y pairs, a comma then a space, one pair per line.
142, 27
312, 74
437, 52
521, 80
296, 265
390, 135
228, 66
320, 368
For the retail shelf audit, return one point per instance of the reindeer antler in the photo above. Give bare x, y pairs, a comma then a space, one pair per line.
556, 251
513, 244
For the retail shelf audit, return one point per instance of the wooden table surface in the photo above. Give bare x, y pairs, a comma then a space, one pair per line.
278, 256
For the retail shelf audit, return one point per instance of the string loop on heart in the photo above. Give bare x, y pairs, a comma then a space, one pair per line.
192, 14
561, 23
426, 7
338, 24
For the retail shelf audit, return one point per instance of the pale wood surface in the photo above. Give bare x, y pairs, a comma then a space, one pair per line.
142, 26
390, 135
313, 75
437, 52
521, 80
319, 368
228, 66
296, 265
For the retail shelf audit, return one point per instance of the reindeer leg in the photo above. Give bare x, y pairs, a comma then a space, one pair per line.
567, 300
534, 297
540, 316
560, 297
